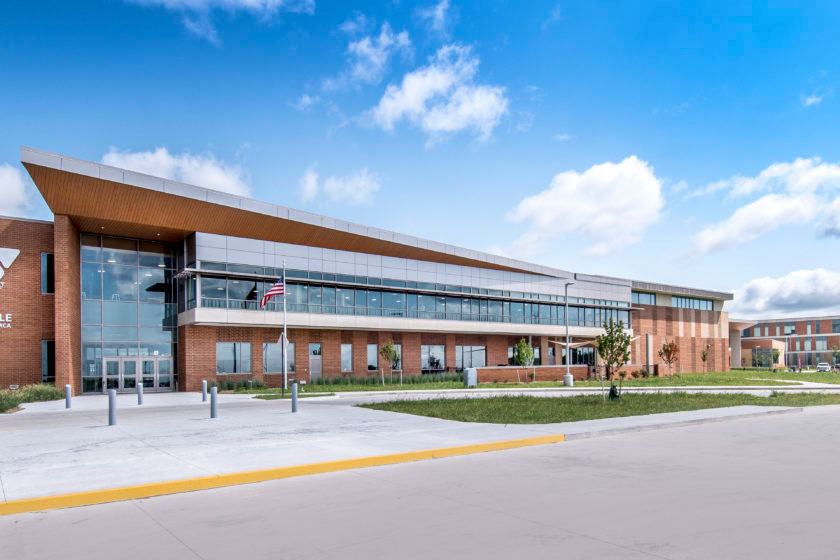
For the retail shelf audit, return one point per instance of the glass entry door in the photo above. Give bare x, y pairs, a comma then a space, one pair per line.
124, 373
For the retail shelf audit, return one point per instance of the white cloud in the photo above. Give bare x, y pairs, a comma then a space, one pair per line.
562, 137
359, 24
801, 291
442, 97
305, 102
368, 58
803, 175
679, 186
14, 194
813, 99
754, 219
610, 204
830, 224
197, 14
437, 16
357, 188
554, 16
196, 169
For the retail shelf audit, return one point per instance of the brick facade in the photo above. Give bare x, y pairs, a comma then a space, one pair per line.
692, 329
68, 305
32, 312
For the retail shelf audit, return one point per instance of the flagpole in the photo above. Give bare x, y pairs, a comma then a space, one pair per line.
285, 340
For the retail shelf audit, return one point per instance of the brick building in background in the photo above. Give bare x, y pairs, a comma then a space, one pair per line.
158, 282
805, 341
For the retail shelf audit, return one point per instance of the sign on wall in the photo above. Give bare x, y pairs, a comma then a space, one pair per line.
7, 257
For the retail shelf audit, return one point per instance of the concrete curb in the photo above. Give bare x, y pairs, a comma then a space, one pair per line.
682, 423
123, 493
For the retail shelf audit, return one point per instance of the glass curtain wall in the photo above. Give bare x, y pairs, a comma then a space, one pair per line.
128, 303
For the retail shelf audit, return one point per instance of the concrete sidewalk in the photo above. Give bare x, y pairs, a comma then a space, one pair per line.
48, 450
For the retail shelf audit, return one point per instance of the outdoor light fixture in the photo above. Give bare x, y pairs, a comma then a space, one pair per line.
568, 380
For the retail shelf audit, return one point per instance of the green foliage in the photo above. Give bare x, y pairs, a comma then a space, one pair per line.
241, 384
613, 346
523, 354
540, 410
776, 354
389, 353
670, 353
370, 380
29, 393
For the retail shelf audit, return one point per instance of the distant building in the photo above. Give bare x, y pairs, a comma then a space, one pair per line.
806, 340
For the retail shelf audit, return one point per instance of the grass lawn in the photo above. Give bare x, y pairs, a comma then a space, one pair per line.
726, 378
547, 410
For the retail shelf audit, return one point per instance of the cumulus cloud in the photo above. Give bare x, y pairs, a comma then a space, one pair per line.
829, 226
754, 219
357, 188
437, 16
360, 23
368, 57
803, 175
562, 137
801, 291
14, 194
203, 170
809, 100
197, 15
797, 196
593, 204
442, 98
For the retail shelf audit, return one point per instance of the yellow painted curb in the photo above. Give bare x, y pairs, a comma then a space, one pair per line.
246, 477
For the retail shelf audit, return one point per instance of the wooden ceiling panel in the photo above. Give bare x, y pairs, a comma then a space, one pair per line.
101, 206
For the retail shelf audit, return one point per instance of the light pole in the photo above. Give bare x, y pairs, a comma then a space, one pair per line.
568, 380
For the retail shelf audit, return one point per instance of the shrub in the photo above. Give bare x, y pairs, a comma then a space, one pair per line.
29, 393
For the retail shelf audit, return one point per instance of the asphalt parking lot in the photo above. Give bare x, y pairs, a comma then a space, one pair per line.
763, 487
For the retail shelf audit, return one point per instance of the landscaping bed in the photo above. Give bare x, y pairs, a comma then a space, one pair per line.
11, 399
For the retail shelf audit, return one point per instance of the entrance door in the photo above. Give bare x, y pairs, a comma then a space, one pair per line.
124, 373
314, 361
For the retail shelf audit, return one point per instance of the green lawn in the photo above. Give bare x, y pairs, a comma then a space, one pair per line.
547, 410
727, 378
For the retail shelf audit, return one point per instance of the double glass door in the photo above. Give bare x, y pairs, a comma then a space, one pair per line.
123, 374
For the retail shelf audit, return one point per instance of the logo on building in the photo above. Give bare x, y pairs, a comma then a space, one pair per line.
7, 257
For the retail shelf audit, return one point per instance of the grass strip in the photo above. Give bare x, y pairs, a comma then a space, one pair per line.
548, 410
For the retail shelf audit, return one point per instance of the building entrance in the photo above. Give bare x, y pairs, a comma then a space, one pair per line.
124, 373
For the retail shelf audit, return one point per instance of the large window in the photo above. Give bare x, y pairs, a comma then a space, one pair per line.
273, 358
233, 357
346, 357
47, 273
372, 357
643, 298
432, 358
692, 303
47, 361
470, 357
397, 365
128, 302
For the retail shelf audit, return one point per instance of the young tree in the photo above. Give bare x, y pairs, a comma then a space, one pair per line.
836, 351
776, 353
389, 354
704, 355
523, 356
670, 353
614, 348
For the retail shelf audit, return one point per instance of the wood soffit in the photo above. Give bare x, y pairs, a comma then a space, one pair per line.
110, 208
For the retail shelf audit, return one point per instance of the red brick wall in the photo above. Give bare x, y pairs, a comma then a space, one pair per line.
663, 324
68, 336
32, 312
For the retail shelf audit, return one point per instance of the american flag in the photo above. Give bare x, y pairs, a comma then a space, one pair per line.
278, 289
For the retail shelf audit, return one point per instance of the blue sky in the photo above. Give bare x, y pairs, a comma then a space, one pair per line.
692, 144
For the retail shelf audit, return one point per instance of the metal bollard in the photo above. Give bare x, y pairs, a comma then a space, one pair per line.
204, 390
112, 407
213, 398
294, 396
68, 392
140, 393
